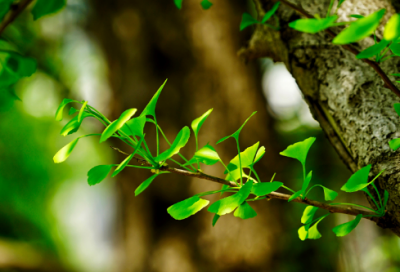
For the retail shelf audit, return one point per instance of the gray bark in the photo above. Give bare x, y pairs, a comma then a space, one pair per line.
345, 95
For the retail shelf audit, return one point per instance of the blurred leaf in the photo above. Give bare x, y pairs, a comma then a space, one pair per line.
306, 183
135, 126
392, 28
360, 29
357, 181
205, 4
180, 141
295, 195
313, 25
73, 125
245, 211
299, 150
72, 110
59, 112
207, 155
45, 7
191, 161
372, 50
14, 67
228, 204
215, 219
186, 208
150, 109
143, 186
396, 106
340, 3
123, 164
260, 154
64, 152
236, 134
308, 214
346, 228
82, 110
265, 188
98, 174
398, 75
270, 12
5, 7
357, 16
385, 199
178, 3
198, 122
117, 124
395, 47
247, 20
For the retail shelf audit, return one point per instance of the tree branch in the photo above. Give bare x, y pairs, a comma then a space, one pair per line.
331, 208
13, 14
388, 83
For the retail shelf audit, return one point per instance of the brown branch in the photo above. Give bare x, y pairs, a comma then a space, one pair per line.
331, 208
13, 14
388, 83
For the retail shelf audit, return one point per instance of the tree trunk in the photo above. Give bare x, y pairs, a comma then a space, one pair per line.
145, 43
345, 95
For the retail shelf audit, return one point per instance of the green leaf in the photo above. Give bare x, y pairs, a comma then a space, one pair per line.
59, 112
265, 188
207, 155
228, 204
395, 47
205, 4
186, 208
215, 219
346, 228
357, 181
308, 214
123, 164
236, 134
247, 158
44, 7
340, 3
73, 125
313, 25
13, 67
385, 199
150, 109
180, 141
117, 124
372, 50
72, 110
143, 186
357, 16
247, 20
98, 173
299, 150
64, 152
5, 7
82, 111
198, 122
295, 195
259, 155
360, 29
396, 107
270, 12
178, 3
135, 126
398, 75
191, 161
245, 211
329, 194
303, 232
313, 232
306, 183
392, 28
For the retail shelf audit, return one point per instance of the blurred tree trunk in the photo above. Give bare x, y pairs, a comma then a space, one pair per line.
145, 43
345, 95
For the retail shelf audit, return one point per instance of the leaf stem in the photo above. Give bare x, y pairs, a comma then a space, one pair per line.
229, 172
355, 205
240, 160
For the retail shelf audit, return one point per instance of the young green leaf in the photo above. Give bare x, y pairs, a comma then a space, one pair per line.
245, 211
150, 109
373, 50
295, 195
135, 126
73, 125
385, 199
313, 25
59, 112
198, 122
265, 188
303, 232
236, 134
45, 7
215, 219
180, 141
98, 173
360, 29
259, 155
306, 183
329, 194
228, 204
270, 12
186, 208
82, 111
395, 47
392, 28
207, 155
64, 152
205, 4
357, 16
313, 232
143, 186
117, 124
396, 107
346, 228
357, 181
72, 110
247, 20
308, 214
247, 158
299, 150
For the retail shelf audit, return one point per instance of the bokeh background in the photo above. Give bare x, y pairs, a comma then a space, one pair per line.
116, 54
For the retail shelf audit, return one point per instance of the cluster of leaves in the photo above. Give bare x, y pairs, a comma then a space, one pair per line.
246, 184
13, 65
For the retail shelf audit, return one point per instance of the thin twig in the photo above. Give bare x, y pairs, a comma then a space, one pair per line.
388, 83
13, 14
331, 208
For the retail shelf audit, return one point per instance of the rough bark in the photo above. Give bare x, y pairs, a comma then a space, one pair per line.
345, 95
